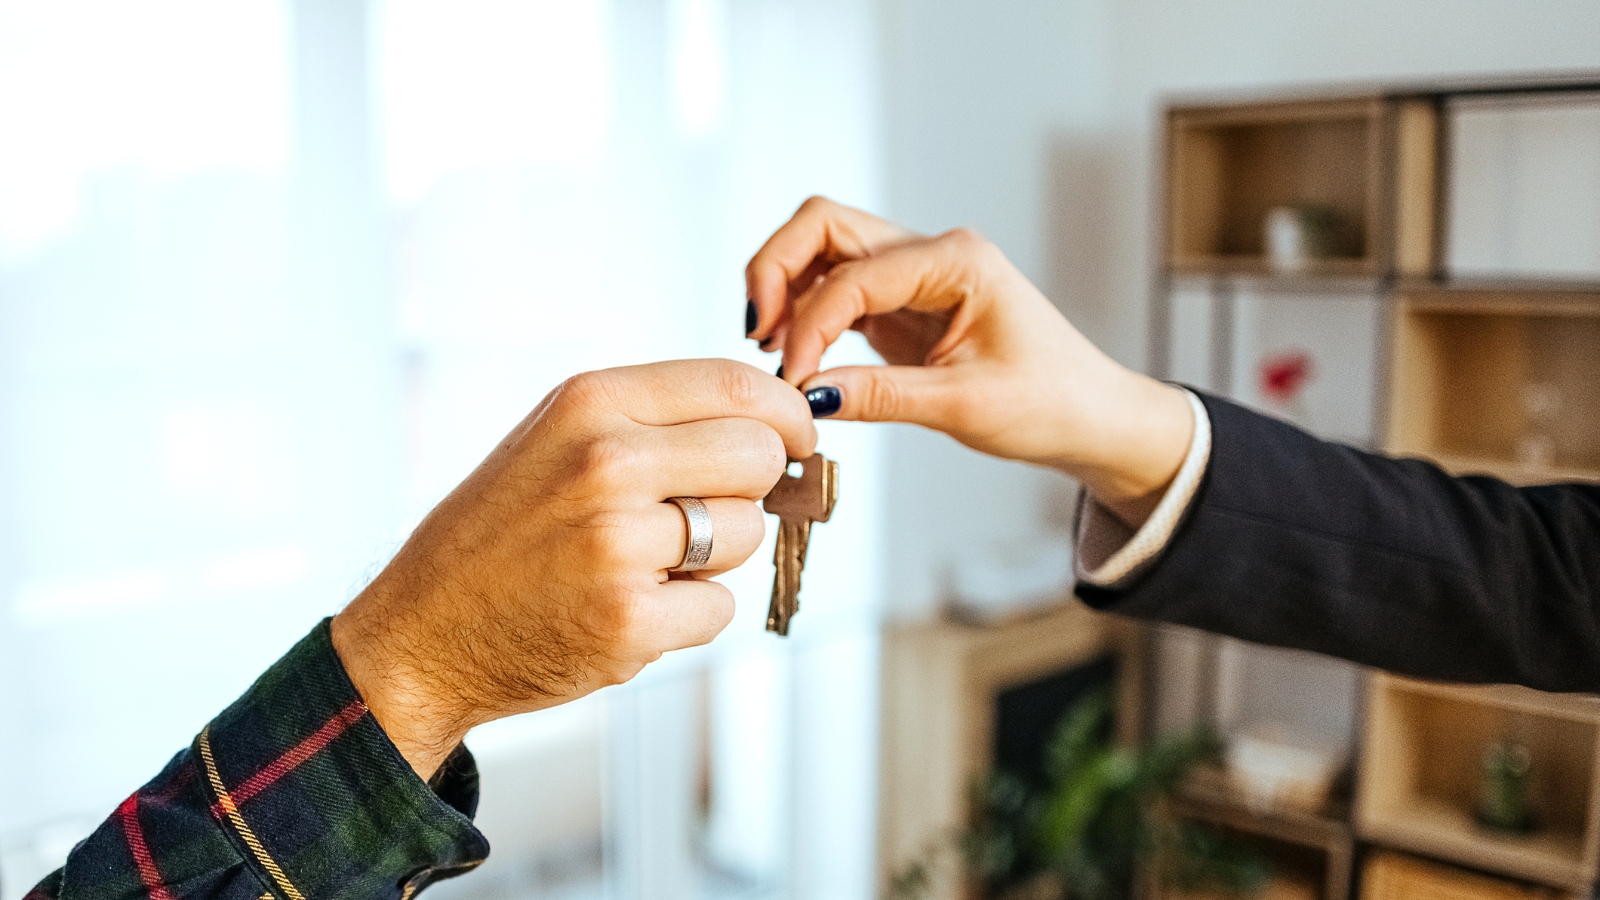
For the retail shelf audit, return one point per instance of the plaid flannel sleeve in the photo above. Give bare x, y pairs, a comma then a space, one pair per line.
293, 792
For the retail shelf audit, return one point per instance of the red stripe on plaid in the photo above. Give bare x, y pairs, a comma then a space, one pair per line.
128, 812
291, 759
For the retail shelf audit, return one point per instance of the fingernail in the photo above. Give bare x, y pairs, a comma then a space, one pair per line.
779, 373
766, 344
751, 317
824, 401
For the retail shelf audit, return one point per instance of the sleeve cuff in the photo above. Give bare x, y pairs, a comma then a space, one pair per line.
318, 801
1109, 552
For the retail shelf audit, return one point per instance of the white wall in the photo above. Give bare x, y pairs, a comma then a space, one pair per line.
974, 93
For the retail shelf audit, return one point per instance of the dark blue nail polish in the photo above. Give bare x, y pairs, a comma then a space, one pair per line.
752, 318
779, 373
825, 401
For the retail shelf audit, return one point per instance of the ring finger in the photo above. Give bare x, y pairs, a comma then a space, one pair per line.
736, 531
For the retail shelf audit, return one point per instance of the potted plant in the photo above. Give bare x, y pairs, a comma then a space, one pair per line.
1096, 824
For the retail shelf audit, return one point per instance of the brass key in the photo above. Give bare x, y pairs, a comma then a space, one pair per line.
797, 502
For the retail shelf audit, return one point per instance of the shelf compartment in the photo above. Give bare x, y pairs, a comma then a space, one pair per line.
1421, 767
1227, 166
1498, 382
1313, 850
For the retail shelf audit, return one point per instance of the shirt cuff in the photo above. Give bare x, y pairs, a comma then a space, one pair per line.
1109, 552
317, 799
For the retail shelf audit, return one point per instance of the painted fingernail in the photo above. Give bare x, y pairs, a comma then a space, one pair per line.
752, 318
779, 373
824, 401
766, 344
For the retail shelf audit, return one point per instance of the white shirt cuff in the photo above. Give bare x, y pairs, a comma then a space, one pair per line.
1108, 551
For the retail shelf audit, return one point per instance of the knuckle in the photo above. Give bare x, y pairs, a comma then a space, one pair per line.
752, 524
767, 453
883, 399
613, 616
966, 239
737, 385
722, 609
583, 393
609, 463
841, 275
815, 203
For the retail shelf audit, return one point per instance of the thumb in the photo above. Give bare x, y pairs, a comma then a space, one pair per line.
914, 394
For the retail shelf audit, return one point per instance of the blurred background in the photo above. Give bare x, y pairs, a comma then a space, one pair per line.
275, 274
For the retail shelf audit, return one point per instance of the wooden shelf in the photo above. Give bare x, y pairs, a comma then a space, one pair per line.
1212, 787
1448, 831
1420, 776
1320, 869
1258, 266
1469, 369
1227, 166
1395, 876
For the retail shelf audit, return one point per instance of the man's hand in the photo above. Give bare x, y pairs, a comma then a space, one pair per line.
543, 576
974, 349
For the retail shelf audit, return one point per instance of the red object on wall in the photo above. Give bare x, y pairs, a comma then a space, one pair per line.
1284, 375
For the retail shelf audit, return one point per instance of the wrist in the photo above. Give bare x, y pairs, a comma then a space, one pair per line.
1143, 435
418, 725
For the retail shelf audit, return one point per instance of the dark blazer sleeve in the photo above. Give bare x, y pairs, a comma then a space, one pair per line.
1393, 563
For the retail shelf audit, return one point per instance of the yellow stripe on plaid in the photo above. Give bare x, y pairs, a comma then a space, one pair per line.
232, 811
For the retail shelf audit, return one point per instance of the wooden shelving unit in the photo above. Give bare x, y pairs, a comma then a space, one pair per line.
1420, 776
1229, 165
1494, 376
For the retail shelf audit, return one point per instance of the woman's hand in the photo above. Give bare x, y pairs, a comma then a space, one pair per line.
975, 351
543, 576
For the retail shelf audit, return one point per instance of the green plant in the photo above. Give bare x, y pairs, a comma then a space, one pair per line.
1096, 820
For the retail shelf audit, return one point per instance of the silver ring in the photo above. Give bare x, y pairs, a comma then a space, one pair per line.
698, 552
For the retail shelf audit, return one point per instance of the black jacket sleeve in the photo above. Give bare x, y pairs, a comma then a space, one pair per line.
1393, 563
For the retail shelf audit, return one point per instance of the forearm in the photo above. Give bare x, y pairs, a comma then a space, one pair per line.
293, 791
1303, 543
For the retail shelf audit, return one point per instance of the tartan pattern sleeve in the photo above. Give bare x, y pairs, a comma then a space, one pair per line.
293, 792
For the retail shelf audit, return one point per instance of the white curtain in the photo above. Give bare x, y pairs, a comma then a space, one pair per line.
275, 275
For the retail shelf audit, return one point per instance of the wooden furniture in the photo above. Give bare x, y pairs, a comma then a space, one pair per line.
1313, 848
1229, 165
1421, 782
941, 681
1480, 374
1395, 876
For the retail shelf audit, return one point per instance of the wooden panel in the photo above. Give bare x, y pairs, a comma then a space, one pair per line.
1420, 776
1392, 876
1195, 191
1416, 188
1228, 166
